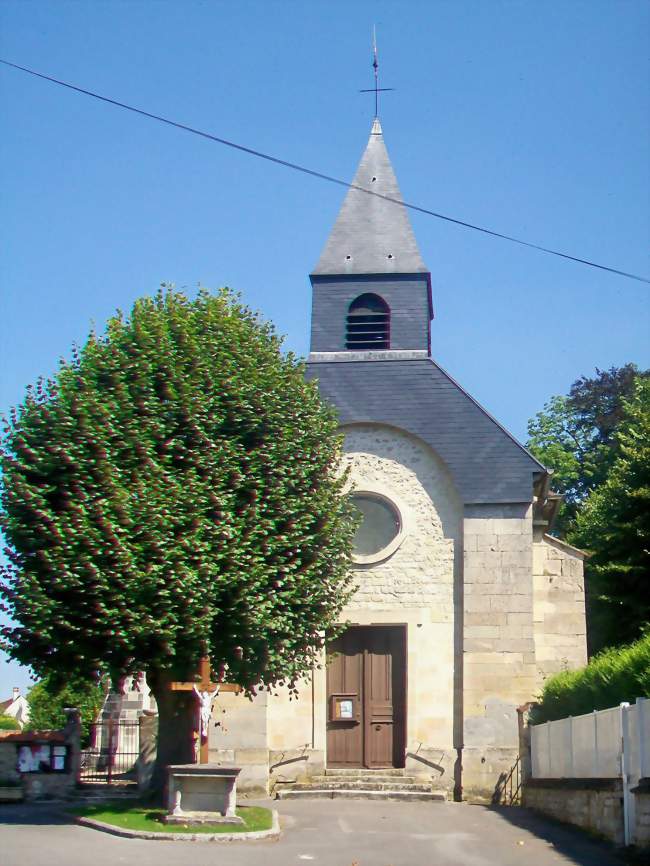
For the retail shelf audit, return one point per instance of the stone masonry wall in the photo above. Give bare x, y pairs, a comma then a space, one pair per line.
238, 735
559, 623
593, 804
421, 572
8, 763
499, 650
642, 813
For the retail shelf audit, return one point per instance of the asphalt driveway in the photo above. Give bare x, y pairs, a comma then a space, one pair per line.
321, 832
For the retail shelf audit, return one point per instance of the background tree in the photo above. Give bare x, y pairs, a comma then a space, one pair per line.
174, 493
575, 435
48, 698
614, 526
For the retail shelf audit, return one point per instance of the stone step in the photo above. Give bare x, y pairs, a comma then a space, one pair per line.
364, 771
101, 794
359, 794
358, 785
380, 777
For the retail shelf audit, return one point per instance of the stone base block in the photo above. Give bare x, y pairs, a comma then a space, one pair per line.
195, 818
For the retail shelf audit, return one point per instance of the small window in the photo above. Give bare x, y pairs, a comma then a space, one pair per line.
368, 323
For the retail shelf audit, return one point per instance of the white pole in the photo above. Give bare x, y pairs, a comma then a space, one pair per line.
625, 736
641, 709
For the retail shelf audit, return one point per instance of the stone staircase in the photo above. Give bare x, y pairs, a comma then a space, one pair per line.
91, 795
387, 784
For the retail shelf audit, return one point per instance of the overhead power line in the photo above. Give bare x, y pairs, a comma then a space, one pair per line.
322, 176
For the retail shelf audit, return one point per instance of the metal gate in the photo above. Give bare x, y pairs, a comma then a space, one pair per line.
112, 752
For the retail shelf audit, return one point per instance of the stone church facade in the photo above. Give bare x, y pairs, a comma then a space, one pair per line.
463, 602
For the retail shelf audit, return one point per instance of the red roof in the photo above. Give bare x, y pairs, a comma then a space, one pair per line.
26, 737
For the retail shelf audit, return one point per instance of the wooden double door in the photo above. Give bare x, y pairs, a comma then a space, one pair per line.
366, 697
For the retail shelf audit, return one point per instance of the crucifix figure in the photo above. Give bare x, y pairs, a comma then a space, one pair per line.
206, 691
375, 65
206, 700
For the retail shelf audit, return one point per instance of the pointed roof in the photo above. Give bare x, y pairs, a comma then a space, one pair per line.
372, 235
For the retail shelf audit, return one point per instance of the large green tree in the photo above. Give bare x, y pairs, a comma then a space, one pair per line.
575, 435
175, 492
613, 524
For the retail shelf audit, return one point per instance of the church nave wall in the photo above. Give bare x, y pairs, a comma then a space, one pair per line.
420, 573
499, 671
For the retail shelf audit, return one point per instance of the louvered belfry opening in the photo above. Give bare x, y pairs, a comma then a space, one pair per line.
368, 323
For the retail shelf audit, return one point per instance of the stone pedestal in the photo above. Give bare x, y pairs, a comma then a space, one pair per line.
202, 794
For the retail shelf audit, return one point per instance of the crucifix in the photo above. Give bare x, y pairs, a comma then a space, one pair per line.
375, 65
206, 691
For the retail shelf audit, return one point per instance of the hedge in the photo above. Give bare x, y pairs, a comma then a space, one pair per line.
614, 675
8, 723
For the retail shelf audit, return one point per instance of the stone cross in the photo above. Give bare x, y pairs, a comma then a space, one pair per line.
206, 691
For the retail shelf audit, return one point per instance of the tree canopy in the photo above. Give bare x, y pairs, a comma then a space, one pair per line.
575, 435
614, 526
596, 441
48, 699
175, 492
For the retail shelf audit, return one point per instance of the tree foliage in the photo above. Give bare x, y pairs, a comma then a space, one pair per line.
614, 526
8, 723
615, 675
48, 699
575, 435
174, 492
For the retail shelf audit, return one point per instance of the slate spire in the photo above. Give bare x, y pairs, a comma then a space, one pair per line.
371, 235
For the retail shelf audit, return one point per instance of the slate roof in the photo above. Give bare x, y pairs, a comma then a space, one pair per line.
371, 235
486, 463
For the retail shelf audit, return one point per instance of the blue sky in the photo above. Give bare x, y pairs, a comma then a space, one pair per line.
531, 118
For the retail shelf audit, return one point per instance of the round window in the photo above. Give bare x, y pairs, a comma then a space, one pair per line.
380, 524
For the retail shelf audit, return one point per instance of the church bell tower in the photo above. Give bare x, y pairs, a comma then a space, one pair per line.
371, 288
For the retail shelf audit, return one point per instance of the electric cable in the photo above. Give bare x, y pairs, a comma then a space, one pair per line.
313, 173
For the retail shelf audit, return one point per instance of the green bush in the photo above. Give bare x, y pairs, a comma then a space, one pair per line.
615, 675
48, 698
8, 723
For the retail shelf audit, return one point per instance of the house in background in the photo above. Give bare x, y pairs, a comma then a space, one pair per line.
17, 707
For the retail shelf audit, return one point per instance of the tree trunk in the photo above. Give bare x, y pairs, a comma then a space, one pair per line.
177, 727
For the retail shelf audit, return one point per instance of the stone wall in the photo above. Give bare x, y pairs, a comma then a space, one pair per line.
8, 762
421, 572
559, 607
593, 804
238, 736
499, 651
641, 796
40, 785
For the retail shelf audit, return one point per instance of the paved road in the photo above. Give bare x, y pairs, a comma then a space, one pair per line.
324, 833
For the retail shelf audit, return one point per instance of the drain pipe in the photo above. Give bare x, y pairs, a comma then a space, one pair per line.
625, 737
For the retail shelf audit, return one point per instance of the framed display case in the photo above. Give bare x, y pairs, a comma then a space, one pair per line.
343, 707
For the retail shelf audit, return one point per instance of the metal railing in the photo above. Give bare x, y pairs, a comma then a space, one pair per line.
112, 753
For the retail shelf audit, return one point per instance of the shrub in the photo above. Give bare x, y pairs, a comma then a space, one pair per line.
615, 675
48, 698
8, 723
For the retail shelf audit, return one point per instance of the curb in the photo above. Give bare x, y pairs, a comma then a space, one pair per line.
273, 833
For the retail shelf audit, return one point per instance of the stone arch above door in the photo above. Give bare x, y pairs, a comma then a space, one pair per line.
419, 572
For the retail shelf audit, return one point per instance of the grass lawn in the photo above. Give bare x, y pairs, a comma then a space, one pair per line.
131, 816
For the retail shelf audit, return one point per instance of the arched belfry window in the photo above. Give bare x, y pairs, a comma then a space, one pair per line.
368, 323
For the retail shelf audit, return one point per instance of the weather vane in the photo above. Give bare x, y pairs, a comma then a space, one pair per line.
375, 65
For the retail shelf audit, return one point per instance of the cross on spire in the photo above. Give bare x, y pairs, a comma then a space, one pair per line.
375, 66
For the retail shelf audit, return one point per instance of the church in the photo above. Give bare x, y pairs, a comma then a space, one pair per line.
464, 603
